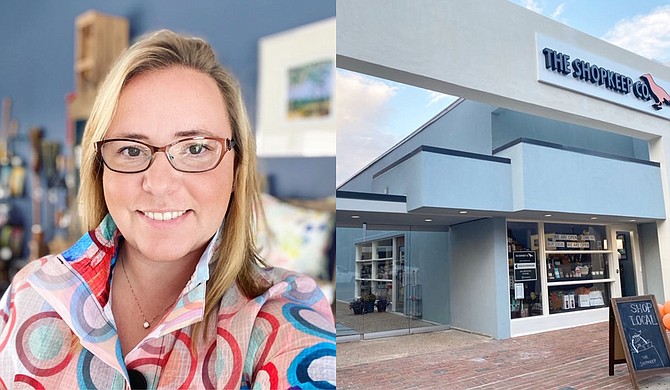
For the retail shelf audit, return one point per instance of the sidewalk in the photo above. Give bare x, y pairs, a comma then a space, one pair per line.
575, 358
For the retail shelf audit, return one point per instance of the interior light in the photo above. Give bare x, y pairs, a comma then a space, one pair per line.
355, 216
462, 212
547, 215
428, 220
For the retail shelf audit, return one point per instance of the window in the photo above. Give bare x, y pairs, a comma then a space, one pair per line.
577, 267
524, 272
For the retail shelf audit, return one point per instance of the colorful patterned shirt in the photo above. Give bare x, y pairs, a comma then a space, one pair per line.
57, 329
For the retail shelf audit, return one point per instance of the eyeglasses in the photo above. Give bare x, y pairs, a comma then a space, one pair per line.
197, 154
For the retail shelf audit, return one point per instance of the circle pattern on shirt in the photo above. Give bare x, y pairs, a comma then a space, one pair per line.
88, 364
225, 353
307, 321
175, 361
299, 373
82, 302
44, 344
302, 290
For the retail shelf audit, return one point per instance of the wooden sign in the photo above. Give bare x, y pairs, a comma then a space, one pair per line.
638, 338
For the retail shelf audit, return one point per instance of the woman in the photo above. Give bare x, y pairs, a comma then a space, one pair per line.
166, 290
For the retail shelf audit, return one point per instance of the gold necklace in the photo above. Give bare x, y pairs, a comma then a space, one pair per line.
147, 323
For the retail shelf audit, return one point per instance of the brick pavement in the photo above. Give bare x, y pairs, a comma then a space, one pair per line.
575, 358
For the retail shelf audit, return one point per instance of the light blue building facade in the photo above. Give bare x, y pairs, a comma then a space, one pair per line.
465, 212
524, 206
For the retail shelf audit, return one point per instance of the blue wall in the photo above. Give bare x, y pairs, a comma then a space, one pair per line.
649, 251
37, 64
479, 277
509, 125
466, 126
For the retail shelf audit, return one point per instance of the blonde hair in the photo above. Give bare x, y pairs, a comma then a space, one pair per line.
161, 50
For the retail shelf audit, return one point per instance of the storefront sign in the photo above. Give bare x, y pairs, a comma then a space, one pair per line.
637, 337
578, 245
570, 241
573, 68
525, 268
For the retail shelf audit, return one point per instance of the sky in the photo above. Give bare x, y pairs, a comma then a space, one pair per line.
374, 114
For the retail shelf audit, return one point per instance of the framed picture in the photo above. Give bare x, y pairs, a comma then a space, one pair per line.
296, 107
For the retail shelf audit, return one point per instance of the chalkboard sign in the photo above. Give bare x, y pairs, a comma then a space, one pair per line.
525, 266
635, 330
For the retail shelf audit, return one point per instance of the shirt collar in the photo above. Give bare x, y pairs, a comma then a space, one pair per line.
94, 255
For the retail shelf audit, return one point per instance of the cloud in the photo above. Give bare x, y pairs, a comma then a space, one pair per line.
558, 11
538, 7
436, 97
533, 6
363, 111
647, 35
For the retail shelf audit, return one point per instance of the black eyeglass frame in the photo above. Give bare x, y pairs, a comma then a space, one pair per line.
228, 145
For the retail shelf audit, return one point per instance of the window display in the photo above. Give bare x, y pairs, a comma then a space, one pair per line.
525, 281
568, 237
572, 259
583, 266
577, 297
374, 268
576, 253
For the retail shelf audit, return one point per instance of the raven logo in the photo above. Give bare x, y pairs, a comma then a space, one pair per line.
659, 94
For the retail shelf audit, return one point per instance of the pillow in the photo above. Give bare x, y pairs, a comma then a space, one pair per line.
295, 237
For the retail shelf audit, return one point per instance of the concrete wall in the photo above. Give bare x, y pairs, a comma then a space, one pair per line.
651, 261
466, 126
436, 179
451, 49
479, 277
507, 126
547, 178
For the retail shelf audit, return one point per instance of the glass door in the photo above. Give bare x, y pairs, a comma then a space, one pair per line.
382, 288
626, 247
392, 280
399, 279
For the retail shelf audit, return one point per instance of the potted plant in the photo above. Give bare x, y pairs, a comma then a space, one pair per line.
357, 306
369, 302
381, 304
382, 298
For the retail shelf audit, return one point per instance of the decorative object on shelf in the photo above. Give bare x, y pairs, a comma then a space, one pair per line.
356, 305
37, 246
100, 38
295, 92
17, 177
12, 186
12, 172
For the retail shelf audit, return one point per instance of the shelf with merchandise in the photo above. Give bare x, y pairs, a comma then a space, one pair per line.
578, 297
566, 267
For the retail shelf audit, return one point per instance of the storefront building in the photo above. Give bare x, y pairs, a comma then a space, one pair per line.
525, 205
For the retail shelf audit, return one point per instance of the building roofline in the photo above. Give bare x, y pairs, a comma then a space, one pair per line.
404, 140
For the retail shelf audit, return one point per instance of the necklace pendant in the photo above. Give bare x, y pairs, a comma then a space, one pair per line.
146, 325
